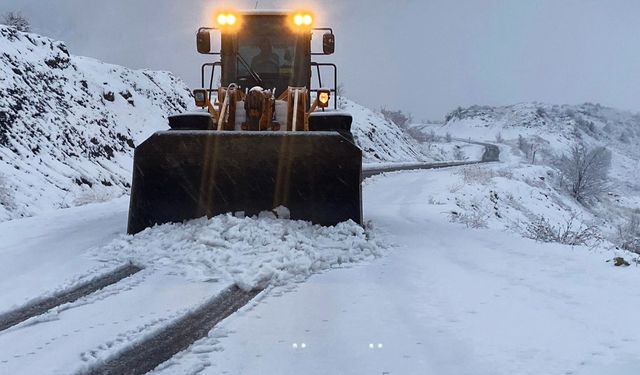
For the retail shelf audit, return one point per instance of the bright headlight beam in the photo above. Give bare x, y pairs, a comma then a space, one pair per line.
222, 19
298, 19
324, 98
307, 19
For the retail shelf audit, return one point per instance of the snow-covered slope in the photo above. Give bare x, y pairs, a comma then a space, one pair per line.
525, 189
553, 129
379, 139
68, 124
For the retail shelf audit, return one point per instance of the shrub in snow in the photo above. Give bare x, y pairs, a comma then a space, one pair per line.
629, 234
402, 120
584, 171
429, 137
499, 138
569, 233
397, 117
474, 215
458, 154
17, 20
6, 195
476, 174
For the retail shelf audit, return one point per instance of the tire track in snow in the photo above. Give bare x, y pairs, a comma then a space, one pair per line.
147, 354
40, 306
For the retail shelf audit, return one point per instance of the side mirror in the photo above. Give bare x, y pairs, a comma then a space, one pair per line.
328, 43
203, 41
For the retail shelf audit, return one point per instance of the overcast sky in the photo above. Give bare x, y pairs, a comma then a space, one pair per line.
422, 56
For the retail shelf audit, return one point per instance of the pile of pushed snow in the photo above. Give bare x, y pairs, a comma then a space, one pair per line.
250, 252
68, 124
380, 139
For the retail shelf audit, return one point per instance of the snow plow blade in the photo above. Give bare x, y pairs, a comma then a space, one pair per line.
182, 175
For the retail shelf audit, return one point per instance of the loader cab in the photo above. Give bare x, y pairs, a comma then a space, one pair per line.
267, 53
266, 49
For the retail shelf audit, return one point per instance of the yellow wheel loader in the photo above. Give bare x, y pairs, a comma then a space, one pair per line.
267, 137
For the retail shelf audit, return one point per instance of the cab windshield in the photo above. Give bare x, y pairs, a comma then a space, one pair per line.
267, 50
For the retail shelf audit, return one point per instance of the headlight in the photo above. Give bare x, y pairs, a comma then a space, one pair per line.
323, 98
302, 20
226, 20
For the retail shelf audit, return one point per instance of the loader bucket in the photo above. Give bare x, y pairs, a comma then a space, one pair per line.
180, 175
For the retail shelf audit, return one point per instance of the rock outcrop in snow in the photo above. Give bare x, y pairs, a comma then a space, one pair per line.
68, 124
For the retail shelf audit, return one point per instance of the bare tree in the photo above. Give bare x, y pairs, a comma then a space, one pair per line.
17, 20
528, 147
584, 171
523, 145
397, 117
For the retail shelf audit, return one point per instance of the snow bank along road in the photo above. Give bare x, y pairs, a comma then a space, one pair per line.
57, 306
491, 153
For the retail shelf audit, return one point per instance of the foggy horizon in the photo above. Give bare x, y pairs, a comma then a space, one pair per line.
425, 58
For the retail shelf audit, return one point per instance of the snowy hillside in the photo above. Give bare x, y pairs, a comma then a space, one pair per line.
525, 193
379, 139
68, 124
553, 129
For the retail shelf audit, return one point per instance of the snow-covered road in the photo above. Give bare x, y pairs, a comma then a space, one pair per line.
49, 250
447, 300
444, 300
